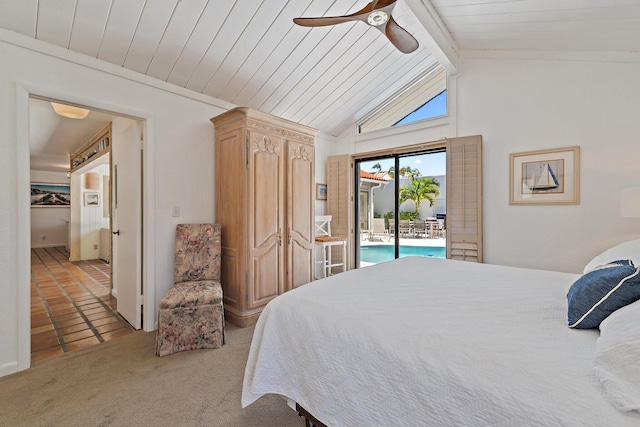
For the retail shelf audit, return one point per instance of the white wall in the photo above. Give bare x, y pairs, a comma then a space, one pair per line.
529, 105
92, 217
179, 166
49, 224
324, 146
524, 105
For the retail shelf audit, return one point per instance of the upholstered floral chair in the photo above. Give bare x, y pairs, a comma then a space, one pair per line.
191, 315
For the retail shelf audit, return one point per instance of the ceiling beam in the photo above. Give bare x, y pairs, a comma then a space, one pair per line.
439, 40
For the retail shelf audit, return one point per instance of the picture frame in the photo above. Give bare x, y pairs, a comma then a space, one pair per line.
321, 191
91, 199
50, 195
545, 176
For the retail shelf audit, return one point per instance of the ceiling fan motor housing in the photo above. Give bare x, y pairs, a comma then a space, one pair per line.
377, 17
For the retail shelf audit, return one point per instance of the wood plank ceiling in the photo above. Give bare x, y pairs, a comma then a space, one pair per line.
599, 27
249, 52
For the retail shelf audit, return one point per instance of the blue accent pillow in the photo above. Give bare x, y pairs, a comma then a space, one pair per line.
597, 294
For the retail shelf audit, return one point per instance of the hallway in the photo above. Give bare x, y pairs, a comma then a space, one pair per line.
71, 304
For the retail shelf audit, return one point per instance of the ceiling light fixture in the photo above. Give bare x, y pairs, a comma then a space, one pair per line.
69, 111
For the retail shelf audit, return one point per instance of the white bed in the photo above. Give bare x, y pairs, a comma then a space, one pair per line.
431, 342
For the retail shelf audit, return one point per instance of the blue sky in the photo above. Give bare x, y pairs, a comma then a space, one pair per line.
436, 107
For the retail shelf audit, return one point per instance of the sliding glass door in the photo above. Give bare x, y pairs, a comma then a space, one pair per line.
401, 207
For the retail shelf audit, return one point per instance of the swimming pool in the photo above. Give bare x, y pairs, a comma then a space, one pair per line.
382, 253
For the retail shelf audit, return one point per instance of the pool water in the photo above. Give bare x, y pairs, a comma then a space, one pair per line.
382, 253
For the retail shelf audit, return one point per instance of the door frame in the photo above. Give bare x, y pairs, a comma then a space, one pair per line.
395, 153
23, 210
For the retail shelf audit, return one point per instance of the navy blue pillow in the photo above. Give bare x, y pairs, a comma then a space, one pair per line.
600, 292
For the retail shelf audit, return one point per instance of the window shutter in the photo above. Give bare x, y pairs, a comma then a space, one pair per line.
338, 197
464, 198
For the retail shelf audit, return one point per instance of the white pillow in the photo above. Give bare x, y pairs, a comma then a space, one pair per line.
627, 250
617, 357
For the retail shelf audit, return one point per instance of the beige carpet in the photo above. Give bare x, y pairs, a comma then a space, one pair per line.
122, 383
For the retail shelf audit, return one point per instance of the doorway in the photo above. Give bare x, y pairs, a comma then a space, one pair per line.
401, 206
83, 286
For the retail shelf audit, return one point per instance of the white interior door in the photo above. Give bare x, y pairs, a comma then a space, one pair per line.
127, 218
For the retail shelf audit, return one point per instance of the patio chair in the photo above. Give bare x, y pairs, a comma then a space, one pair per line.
191, 314
404, 228
378, 229
419, 228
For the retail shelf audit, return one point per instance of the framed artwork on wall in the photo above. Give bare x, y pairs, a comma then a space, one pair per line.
545, 176
91, 199
50, 195
321, 191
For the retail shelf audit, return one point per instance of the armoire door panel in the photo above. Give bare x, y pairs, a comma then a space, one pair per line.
265, 275
301, 265
300, 213
266, 173
300, 209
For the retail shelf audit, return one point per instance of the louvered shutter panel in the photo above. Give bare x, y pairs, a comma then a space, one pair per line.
338, 190
464, 198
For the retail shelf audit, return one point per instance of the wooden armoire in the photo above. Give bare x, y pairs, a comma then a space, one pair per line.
265, 201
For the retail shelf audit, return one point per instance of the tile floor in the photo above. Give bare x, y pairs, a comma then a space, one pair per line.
71, 304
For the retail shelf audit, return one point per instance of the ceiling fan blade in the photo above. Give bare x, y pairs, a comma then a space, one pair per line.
374, 5
321, 22
400, 37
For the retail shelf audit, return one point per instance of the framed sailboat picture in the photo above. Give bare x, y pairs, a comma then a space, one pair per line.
545, 176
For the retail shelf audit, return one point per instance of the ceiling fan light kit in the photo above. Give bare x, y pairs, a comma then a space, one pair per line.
377, 14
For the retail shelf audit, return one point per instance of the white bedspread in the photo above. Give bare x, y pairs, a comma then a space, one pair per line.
431, 342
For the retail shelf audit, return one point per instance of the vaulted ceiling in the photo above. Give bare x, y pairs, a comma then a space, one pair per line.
249, 52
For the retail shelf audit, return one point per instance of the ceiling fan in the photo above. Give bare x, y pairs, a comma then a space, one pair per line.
376, 14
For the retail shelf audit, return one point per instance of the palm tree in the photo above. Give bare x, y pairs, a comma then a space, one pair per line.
421, 189
377, 166
404, 171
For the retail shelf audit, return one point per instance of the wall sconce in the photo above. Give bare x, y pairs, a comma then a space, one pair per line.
68, 174
630, 202
70, 111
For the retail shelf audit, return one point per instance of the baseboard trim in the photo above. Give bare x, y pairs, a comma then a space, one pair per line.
8, 368
48, 245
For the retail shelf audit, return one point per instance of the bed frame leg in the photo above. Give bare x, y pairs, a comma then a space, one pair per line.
309, 420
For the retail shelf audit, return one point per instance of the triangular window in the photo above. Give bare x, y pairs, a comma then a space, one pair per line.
425, 98
435, 107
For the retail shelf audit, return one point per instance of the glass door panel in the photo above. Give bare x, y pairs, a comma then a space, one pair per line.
375, 212
421, 200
